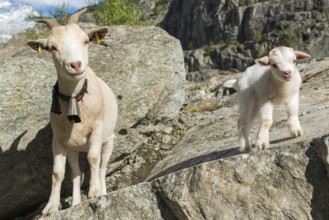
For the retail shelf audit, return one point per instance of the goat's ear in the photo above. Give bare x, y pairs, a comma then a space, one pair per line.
302, 56
264, 61
98, 34
38, 45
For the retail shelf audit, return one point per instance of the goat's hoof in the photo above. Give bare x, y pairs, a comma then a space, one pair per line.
296, 133
262, 145
245, 149
76, 202
50, 208
94, 193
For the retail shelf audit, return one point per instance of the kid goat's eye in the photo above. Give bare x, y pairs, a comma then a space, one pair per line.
274, 65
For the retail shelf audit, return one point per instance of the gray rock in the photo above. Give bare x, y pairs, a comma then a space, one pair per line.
136, 202
280, 183
323, 150
139, 58
286, 182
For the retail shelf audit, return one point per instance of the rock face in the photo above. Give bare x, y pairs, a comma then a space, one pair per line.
232, 32
144, 66
120, 205
136, 64
280, 183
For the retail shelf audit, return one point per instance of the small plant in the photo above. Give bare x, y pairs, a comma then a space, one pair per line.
60, 13
261, 51
33, 35
117, 12
321, 26
285, 1
259, 37
207, 51
242, 3
190, 45
290, 39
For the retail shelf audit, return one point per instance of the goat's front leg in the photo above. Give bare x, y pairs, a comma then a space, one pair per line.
293, 121
73, 158
246, 105
106, 155
266, 113
94, 159
59, 153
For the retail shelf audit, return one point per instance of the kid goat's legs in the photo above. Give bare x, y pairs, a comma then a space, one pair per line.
244, 122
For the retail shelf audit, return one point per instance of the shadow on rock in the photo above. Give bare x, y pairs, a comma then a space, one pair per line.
196, 161
316, 175
26, 175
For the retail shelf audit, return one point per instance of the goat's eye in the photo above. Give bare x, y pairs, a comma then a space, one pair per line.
294, 61
274, 65
87, 41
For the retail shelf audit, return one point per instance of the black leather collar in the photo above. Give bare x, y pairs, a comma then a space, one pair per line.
73, 113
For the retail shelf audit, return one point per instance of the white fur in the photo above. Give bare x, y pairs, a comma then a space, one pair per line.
98, 111
274, 79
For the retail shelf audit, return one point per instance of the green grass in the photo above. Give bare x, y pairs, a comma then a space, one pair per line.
118, 12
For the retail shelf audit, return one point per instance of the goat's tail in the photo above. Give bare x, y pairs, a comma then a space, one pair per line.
230, 84
229, 87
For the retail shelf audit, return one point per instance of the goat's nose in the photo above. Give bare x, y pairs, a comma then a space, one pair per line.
287, 73
76, 65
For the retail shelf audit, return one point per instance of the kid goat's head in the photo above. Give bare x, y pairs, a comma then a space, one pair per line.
68, 45
282, 61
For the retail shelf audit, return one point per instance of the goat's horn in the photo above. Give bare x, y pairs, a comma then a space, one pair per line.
50, 22
75, 17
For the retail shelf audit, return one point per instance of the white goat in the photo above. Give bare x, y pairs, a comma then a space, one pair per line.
78, 96
274, 79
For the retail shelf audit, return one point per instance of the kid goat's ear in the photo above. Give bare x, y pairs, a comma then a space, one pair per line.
302, 56
264, 61
38, 45
98, 34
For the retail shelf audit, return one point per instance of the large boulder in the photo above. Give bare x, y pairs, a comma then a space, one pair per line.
287, 182
135, 202
144, 66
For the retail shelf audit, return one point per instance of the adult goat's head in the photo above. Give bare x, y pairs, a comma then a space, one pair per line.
68, 45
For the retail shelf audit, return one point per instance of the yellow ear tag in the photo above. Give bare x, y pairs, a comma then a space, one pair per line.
98, 40
39, 49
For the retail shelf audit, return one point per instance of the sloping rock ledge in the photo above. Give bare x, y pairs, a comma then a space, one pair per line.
287, 182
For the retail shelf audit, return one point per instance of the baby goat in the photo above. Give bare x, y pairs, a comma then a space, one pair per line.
83, 113
274, 79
